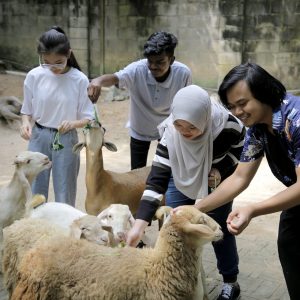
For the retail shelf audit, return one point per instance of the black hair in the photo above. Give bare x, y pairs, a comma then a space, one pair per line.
56, 41
160, 42
263, 86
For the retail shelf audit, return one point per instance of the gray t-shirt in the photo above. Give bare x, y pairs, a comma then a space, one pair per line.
150, 100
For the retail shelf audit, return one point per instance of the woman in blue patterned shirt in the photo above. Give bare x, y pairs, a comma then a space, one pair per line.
260, 101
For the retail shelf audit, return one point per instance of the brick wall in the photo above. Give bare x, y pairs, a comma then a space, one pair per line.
214, 35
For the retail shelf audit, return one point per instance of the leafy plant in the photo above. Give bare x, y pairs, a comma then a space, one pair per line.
57, 145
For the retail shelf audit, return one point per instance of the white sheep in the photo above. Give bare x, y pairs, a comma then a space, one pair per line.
15, 195
117, 218
65, 268
105, 187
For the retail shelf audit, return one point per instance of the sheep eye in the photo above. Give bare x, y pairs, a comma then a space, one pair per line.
85, 229
28, 161
109, 216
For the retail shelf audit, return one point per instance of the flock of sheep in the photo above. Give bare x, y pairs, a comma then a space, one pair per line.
54, 251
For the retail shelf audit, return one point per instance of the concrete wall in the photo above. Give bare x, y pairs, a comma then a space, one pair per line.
214, 35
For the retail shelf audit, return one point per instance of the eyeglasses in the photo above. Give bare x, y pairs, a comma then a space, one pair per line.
52, 66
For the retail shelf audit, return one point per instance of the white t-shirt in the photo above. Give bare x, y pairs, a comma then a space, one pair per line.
50, 98
150, 100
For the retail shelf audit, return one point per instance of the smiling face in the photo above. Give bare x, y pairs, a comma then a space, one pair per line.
159, 65
244, 106
187, 130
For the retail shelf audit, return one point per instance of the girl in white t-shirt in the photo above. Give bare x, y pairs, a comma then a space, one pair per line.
56, 103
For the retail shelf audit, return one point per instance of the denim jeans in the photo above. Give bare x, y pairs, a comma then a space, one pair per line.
65, 164
225, 250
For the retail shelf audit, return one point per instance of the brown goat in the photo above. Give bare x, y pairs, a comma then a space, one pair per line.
105, 187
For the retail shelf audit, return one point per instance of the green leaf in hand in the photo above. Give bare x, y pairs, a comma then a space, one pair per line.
57, 145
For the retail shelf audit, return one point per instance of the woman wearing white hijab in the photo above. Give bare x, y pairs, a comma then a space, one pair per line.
200, 147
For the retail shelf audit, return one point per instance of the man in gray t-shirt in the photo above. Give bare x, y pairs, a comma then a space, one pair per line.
152, 83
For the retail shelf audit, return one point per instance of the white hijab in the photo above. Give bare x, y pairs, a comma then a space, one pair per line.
191, 160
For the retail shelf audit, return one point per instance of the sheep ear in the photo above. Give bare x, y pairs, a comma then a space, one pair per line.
163, 212
200, 230
18, 160
110, 146
131, 220
102, 214
75, 231
107, 228
78, 147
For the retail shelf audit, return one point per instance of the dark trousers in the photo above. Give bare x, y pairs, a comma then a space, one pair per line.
138, 153
289, 249
225, 250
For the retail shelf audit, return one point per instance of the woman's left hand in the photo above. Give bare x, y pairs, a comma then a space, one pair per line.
214, 178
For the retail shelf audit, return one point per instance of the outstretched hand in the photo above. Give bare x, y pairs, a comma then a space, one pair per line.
239, 219
94, 90
135, 234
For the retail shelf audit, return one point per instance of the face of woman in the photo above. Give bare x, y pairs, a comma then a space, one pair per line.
187, 130
57, 63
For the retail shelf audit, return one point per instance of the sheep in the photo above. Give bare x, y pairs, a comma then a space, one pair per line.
71, 220
65, 268
105, 187
117, 217
15, 195
30, 231
10, 108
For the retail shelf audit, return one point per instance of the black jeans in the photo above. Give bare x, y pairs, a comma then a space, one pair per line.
289, 249
138, 153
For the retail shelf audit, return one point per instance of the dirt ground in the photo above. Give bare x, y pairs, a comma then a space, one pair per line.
113, 116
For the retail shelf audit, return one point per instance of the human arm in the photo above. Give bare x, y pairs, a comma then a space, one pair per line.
66, 126
240, 217
26, 128
136, 233
156, 186
228, 146
230, 187
94, 88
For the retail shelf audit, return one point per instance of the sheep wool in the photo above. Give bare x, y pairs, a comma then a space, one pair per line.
65, 268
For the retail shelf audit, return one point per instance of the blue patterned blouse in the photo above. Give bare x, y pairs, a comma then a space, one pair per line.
282, 148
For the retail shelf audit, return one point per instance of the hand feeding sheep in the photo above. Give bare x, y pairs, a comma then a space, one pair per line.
65, 268
105, 187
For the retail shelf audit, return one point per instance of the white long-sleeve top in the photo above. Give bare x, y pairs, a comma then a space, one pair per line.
52, 98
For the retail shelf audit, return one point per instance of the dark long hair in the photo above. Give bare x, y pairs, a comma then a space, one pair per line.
56, 41
263, 86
